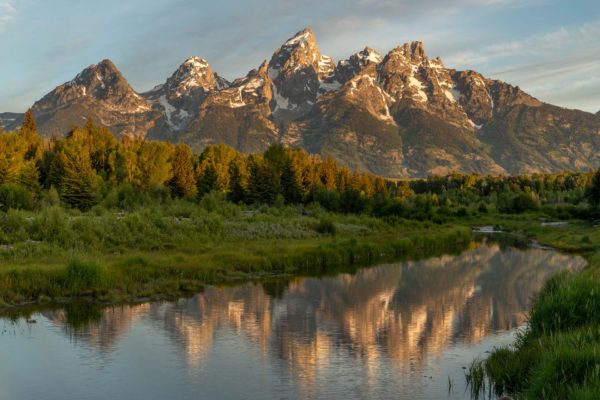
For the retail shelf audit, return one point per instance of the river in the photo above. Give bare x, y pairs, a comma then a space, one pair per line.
393, 331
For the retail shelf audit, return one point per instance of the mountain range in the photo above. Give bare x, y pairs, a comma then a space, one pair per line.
396, 115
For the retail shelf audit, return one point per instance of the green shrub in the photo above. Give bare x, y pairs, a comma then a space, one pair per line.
129, 197
328, 199
14, 196
586, 239
213, 201
51, 225
483, 209
279, 201
352, 201
462, 212
525, 202
326, 226
50, 198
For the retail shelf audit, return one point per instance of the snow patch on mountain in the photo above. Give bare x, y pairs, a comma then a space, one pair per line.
373, 57
329, 86
300, 38
281, 103
326, 66
453, 94
473, 124
169, 110
237, 101
418, 86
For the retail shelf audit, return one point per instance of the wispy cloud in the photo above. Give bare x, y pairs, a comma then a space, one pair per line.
556, 66
7, 13
148, 40
557, 43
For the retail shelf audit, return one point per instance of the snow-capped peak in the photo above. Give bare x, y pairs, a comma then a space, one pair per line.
300, 38
194, 73
296, 53
369, 55
196, 62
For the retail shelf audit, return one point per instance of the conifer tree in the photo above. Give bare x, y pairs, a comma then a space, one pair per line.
28, 133
78, 182
276, 157
237, 191
29, 126
263, 183
593, 191
29, 176
289, 183
208, 181
183, 182
10, 158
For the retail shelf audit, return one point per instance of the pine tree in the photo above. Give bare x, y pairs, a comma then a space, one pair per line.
593, 192
78, 182
28, 133
237, 191
29, 126
29, 176
289, 183
183, 182
10, 158
208, 181
263, 183
276, 157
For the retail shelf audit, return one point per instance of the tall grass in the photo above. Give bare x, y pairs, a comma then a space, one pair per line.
476, 379
81, 275
558, 355
186, 268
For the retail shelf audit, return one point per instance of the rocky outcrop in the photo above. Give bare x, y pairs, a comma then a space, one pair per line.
179, 98
101, 93
238, 115
296, 71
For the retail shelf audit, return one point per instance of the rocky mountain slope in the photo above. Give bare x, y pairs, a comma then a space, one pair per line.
99, 92
10, 119
398, 114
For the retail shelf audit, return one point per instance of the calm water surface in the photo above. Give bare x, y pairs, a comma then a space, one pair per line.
397, 331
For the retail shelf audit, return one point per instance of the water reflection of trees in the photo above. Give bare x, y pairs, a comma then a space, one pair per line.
404, 312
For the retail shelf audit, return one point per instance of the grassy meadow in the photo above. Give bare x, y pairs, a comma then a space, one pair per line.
101, 255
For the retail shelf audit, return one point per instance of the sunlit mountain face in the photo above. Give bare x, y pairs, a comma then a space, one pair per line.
396, 114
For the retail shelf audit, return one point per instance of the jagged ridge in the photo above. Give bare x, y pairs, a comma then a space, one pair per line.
396, 114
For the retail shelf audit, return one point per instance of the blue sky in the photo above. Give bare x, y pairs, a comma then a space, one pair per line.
550, 48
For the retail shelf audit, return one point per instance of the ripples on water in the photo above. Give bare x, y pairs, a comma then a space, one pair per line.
392, 331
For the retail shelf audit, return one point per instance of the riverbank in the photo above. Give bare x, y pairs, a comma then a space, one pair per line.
558, 354
55, 256
58, 256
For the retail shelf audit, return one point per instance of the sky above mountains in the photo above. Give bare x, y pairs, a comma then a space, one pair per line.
550, 48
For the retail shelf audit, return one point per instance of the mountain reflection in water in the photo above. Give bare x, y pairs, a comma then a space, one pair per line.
393, 320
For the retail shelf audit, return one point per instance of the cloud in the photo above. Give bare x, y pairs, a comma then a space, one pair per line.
236, 36
559, 42
550, 65
7, 13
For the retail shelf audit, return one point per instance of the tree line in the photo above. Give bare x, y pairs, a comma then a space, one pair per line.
90, 164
